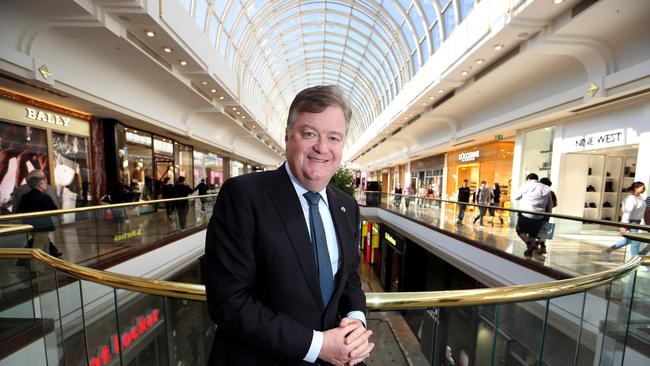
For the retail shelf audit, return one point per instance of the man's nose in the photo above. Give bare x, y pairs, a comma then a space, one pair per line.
321, 144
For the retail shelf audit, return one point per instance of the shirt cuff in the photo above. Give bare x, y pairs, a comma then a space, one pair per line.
358, 315
315, 347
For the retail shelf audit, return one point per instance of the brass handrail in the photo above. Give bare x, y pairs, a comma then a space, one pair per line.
547, 214
97, 208
8, 229
375, 301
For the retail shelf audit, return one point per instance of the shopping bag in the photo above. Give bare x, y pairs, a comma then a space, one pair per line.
546, 231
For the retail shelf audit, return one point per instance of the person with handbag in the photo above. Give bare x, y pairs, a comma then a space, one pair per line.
532, 196
634, 208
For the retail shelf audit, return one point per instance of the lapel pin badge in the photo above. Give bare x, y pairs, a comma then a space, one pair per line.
343, 209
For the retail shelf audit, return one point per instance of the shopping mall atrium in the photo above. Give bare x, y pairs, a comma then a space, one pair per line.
115, 100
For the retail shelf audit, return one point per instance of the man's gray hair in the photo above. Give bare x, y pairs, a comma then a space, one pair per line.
34, 181
315, 100
35, 173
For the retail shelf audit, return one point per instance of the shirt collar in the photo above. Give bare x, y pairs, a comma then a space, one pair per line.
300, 190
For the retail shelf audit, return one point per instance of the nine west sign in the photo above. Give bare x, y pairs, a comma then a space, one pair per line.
48, 117
600, 140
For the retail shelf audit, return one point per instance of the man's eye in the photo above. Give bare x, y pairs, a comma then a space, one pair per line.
308, 134
335, 139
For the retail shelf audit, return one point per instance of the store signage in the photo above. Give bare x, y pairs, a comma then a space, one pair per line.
469, 156
390, 238
47, 117
128, 234
141, 326
138, 139
160, 146
599, 140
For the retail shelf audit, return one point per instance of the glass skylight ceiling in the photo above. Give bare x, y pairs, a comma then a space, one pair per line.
369, 48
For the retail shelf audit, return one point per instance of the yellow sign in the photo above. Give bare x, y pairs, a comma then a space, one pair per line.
127, 235
390, 239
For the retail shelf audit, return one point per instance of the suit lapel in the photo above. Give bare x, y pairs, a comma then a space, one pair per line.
286, 202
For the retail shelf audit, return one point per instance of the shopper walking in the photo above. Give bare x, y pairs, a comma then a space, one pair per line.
182, 206
203, 190
496, 202
483, 196
35, 201
541, 242
633, 211
168, 192
533, 196
398, 196
463, 199
18, 194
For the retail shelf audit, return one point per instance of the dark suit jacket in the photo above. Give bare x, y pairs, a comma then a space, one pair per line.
34, 201
261, 273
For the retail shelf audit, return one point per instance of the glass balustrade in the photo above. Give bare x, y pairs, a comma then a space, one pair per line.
78, 322
104, 235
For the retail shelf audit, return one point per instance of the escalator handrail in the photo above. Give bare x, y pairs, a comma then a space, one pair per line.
375, 301
21, 216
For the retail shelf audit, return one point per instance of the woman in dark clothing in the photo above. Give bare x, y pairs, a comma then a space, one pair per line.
168, 192
496, 202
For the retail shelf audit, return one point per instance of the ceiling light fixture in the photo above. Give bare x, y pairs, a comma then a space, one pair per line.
498, 46
204, 82
432, 97
558, 2
167, 49
424, 103
480, 61
221, 97
183, 63
464, 72
440, 91
244, 117
150, 33
234, 109
213, 90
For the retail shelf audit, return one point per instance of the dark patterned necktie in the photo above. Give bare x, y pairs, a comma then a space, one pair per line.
319, 240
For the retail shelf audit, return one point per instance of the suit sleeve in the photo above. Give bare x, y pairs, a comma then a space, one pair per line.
231, 283
353, 297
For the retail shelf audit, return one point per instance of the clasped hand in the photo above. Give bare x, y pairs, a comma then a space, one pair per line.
348, 344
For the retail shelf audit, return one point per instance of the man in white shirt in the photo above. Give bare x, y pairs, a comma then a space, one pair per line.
532, 196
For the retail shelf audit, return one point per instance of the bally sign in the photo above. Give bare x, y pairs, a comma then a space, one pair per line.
48, 117
117, 344
469, 156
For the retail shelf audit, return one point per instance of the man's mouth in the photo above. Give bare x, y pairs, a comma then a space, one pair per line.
317, 160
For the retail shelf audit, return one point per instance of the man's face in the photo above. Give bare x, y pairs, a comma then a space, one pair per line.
315, 147
464, 183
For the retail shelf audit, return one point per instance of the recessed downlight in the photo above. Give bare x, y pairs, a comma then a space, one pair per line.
498, 46
150, 33
221, 97
480, 61
558, 2
424, 103
440, 91
234, 109
167, 49
183, 62
243, 117
204, 82
213, 90
432, 97
464, 72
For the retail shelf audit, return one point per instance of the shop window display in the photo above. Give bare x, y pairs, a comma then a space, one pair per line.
208, 166
538, 151
22, 149
236, 168
71, 171
183, 158
135, 170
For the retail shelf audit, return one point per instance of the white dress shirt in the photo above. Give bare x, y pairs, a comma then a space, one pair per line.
332, 248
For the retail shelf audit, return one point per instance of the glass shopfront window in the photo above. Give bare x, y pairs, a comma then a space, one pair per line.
183, 158
208, 166
163, 152
538, 152
22, 149
135, 164
236, 168
71, 171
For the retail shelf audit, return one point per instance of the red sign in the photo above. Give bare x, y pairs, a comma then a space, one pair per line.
128, 338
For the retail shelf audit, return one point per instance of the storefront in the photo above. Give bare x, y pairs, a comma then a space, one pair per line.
392, 258
208, 166
39, 135
490, 162
428, 173
597, 159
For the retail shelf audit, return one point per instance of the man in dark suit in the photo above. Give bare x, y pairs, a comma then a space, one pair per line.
282, 269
